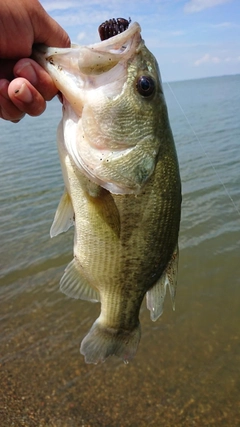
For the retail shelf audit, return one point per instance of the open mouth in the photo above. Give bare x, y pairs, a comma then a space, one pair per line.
94, 58
119, 42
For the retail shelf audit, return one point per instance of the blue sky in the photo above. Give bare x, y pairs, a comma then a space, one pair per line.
190, 38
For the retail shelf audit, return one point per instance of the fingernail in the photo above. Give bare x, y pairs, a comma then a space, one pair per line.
27, 71
24, 94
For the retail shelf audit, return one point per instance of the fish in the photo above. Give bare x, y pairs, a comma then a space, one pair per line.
122, 185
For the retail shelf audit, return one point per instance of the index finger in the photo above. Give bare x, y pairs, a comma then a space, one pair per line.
37, 76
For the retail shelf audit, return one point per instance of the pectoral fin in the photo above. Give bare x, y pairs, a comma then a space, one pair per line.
156, 295
105, 207
64, 216
75, 285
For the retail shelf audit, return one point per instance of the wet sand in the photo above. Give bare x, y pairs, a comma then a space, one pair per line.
186, 372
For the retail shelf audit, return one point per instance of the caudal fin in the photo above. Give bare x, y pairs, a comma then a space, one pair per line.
101, 342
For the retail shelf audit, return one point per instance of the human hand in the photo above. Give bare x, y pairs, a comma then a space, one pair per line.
24, 85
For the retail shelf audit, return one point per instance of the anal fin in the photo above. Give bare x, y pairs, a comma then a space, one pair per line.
74, 284
156, 295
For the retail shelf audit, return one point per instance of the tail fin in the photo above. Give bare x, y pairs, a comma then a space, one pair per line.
101, 342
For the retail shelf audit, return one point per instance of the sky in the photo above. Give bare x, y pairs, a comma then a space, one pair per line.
190, 38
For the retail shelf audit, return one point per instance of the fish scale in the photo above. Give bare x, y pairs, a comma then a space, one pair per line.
122, 186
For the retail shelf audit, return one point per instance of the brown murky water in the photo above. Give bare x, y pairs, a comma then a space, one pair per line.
187, 368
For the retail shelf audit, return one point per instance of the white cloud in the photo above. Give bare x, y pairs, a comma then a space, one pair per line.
210, 59
81, 36
177, 33
51, 6
197, 5
215, 59
224, 25
206, 59
232, 59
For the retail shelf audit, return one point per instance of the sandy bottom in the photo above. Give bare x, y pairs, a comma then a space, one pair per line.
185, 373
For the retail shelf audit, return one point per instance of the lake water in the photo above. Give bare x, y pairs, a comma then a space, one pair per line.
187, 368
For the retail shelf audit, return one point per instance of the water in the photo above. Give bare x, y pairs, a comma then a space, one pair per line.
186, 371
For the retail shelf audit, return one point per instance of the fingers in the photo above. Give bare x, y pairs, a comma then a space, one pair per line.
8, 110
6, 68
25, 97
24, 85
27, 93
18, 98
37, 76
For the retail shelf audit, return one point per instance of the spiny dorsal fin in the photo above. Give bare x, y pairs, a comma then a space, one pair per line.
74, 284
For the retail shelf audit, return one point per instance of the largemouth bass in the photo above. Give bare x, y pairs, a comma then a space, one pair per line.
122, 186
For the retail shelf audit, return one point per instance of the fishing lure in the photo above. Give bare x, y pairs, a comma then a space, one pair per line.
112, 27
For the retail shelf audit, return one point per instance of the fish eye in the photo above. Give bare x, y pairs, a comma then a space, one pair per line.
145, 86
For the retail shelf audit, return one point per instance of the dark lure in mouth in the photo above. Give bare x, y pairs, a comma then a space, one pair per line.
112, 27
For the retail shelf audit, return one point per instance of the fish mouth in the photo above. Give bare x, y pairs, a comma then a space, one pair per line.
103, 56
93, 59
119, 42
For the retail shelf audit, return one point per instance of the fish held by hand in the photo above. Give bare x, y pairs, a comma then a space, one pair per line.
122, 185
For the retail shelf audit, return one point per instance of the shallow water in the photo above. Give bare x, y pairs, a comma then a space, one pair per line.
187, 368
